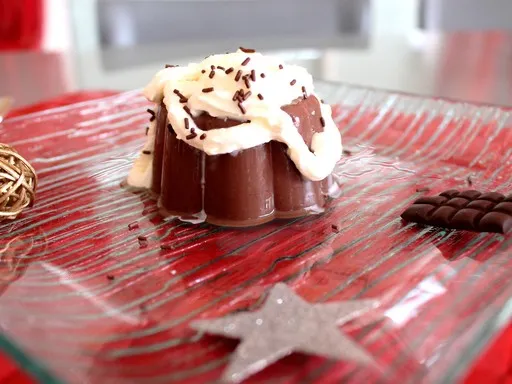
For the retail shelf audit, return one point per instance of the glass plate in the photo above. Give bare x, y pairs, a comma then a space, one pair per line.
82, 302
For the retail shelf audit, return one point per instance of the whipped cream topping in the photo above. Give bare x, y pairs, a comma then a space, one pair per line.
212, 85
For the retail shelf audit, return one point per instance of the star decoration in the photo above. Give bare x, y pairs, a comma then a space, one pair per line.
286, 324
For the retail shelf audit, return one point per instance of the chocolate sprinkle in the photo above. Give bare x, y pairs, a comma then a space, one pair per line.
180, 95
253, 75
202, 137
111, 277
170, 66
322, 101
281, 66
236, 95
147, 130
212, 73
335, 228
208, 90
469, 180
262, 75
423, 189
247, 50
212, 67
146, 152
183, 100
260, 96
246, 61
133, 226
304, 93
246, 81
166, 246
186, 123
322, 121
242, 109
293, 82
229, 70
246, 96
142, 238
187, 109
220, 67
238, 75
203, 71
151, 112
192, 135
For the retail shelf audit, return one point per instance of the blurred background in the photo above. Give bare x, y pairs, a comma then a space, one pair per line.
460, 49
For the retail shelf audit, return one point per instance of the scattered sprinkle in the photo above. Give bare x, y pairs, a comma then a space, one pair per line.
212, 73
322, 121
202, 137
143, 241
187, 109
170, 66
236, 95
192, 135
293, 82
147, 130
212, 67
246, 96
146, 152
281, 66
208, 90
260, 96
111, 277
304, 93
203, 71
335, 228
322, 101
242, 109
253, 75
423, 189
180, 95
469, 180
246, 61
247, 50
262, 75
229, 70
142, 238
238, 75
221, 68
183, 100
186, 123
133, 226
166, 246
246, 81
151, 112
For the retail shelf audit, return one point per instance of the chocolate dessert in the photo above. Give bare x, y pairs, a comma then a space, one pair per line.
238, 140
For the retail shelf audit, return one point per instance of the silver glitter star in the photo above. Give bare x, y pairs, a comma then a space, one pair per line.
285, 324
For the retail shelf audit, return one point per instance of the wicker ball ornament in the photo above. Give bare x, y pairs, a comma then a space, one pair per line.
18, 182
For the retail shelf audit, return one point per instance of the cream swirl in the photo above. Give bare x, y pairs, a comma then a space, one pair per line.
210, 87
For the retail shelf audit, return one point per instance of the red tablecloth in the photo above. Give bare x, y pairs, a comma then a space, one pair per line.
495, 365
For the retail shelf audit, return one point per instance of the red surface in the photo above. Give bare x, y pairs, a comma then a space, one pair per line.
493, 366
21, 24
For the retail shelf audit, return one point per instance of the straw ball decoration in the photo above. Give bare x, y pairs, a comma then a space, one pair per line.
18, 182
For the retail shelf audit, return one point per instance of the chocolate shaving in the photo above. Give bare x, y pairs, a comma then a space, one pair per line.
186, 123
208, 90
322, 121
238, 75
253, 75
192, 135
202, 137
242, 108
260, 96
247, 50
293, 82
246, 61
133, 226
146, 152
229, 70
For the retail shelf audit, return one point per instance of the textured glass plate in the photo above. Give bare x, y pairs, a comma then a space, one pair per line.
81, 301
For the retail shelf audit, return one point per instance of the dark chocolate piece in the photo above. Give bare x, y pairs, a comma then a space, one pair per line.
468, 210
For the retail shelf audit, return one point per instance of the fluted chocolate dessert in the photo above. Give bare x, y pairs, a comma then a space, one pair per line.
237, 140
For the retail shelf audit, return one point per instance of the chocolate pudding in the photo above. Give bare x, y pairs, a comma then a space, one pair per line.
229, 155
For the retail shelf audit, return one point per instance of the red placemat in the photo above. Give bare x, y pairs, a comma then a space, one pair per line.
493, 366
